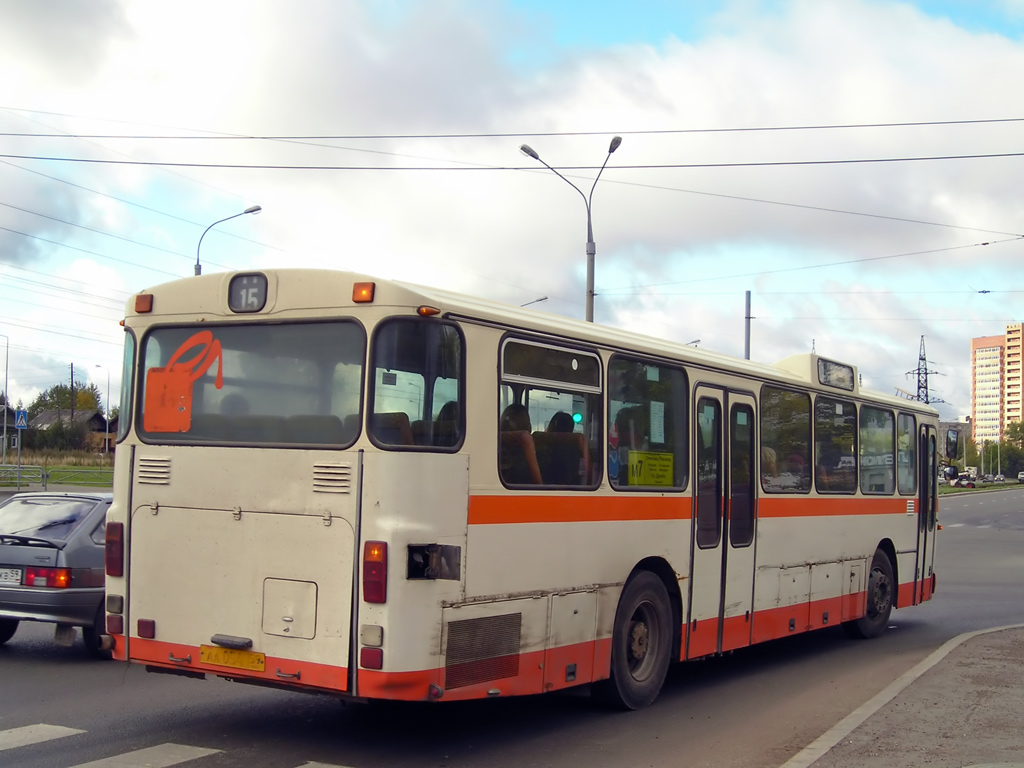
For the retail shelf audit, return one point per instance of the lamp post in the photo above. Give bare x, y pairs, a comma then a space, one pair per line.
106, 413
7, 393
250, 209
591, 247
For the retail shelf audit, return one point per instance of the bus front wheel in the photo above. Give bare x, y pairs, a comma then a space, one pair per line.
881, 594
641, 644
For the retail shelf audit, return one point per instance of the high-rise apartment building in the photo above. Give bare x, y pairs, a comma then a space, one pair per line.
995, 383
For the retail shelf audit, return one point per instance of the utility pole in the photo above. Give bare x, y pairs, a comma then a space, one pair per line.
72, 393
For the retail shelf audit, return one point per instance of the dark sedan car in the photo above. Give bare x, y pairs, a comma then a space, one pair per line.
51, 564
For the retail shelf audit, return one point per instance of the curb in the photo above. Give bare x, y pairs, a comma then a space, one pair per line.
817, 748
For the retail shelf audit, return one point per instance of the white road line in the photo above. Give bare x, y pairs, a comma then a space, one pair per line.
321, 765
817, 748
33, 734
159, 756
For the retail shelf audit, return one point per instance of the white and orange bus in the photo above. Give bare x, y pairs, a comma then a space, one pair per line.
339, 484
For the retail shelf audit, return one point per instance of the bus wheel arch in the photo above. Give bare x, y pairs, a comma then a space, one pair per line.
644, 635
882, 590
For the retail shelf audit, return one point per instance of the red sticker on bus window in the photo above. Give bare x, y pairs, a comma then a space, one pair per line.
168, 405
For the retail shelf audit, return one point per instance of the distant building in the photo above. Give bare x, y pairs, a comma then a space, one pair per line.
96, 426
995, 384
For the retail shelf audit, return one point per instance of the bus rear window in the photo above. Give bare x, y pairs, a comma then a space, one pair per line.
281, 384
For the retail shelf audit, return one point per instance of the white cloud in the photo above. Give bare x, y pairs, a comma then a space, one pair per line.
354, 69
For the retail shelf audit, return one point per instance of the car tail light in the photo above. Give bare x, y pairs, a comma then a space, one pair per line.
375, 572
114, 552
47, 577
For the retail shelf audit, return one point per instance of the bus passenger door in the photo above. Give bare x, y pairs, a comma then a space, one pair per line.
721, 554
740, 524
927, 512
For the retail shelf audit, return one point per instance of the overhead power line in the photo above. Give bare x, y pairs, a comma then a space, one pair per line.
222, 136
632, 290
463, 168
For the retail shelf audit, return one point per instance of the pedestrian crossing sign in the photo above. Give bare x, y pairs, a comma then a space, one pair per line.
21, 419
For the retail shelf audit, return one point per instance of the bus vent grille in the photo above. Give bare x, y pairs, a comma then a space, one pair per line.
332, 478
155, 471
482, 649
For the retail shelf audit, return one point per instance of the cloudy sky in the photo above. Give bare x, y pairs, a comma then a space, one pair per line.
855, 164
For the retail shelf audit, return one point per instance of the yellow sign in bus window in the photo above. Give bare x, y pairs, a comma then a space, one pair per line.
650, 468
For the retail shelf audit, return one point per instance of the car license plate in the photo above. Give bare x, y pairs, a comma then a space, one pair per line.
229, 657
10, 575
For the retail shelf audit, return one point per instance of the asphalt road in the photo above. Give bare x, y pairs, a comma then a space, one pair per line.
752, 708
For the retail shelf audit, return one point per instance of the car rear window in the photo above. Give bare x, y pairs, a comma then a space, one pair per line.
42, 517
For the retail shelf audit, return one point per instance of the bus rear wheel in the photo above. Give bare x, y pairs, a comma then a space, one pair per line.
641, 644
881, 594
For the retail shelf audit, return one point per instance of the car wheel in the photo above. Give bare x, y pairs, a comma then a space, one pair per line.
93, 636
641, 644
7, 629
881, 594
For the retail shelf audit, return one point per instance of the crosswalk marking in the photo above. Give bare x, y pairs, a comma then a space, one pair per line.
159, 756
33, 734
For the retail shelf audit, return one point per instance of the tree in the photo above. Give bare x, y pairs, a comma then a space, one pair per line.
58, 397
1015, 434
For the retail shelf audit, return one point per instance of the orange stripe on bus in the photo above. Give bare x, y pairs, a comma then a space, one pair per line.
829, 506
500, 510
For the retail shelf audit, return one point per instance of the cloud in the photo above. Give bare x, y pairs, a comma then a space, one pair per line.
676, 247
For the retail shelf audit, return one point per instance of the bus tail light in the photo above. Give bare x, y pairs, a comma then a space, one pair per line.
58, 578
113, 559
375, 572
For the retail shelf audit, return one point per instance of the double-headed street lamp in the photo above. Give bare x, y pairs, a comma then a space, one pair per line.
251, 209
527, 150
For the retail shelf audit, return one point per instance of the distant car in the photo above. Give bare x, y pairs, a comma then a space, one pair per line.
1020, 477
51, 564
987, 479
1000, 478
963, 481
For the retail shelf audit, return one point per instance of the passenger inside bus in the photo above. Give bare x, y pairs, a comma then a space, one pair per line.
562, 452
518, 454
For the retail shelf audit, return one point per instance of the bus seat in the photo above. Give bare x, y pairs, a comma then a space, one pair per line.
392, 428
351, 425
446, 425
518, 461
563, 457
420, 432
257, 429
209, 426
326, 430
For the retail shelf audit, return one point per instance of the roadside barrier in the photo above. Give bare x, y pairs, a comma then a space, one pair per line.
17, 477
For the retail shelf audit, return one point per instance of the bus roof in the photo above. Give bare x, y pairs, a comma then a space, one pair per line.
318, 292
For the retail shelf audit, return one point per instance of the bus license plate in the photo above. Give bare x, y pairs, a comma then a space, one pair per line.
10, 575
229, 657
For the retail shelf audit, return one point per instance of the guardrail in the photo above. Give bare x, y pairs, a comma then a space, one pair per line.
17, 476
14, 476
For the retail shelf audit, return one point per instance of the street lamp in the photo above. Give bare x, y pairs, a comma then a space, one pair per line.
7, 393
106, 413
251, 209
591, 248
